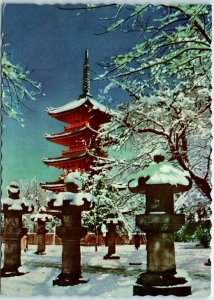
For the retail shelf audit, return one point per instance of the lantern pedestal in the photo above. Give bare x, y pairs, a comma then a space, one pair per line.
41, 232
12, 233
155, 289
160, 222
12, 248
161, 277
71, 257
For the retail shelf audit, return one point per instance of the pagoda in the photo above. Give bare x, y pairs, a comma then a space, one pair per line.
84, 117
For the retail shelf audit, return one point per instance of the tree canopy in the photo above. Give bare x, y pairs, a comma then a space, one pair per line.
168, 77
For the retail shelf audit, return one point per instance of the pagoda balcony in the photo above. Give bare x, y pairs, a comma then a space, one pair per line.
75, 125
74, 149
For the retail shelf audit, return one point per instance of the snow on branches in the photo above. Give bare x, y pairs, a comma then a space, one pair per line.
177, 120
17, 88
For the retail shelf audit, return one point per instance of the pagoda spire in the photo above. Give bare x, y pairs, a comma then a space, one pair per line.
86, 76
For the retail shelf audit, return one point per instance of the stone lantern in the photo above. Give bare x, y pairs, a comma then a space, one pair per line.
71, 204
159, 182
13, 209
111, 223
41, 219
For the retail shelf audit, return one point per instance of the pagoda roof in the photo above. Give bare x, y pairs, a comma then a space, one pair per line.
54, 186
64, 138
73, 105
73, 131
72, 156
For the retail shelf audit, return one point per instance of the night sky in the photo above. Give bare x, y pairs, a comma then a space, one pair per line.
52, 42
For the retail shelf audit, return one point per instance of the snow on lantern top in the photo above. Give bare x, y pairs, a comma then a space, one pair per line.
16, 204
14, 187
73, 196
158, 152
42, 217
113, 221
51, 196
161, 173
75, 199
74, 177
13, 202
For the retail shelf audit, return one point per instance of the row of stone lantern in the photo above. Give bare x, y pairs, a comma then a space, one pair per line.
159, 182
69, 206
13, 231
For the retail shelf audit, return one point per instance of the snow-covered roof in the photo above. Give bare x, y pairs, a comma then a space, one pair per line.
76, 104
53, 185
161, 173
67, 133
62, 159
74, 177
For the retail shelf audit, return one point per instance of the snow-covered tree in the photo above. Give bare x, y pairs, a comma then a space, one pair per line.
168, 76
179, 123
31, 190
173, 44
17, 88
111, 199
167, 73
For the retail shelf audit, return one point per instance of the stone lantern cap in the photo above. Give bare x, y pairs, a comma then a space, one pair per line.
112, 221
13, 203
73, 199
160, 172
18, 204
72, 180
13, 187
42, 217
73, 196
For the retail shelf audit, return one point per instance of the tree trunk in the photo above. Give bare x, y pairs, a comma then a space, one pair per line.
202, 184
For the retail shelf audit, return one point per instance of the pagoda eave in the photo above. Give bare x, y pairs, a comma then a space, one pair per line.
62, 113
54, 187
67, 162
65, 138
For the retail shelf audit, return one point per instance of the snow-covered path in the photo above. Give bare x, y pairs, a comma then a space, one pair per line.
108, 278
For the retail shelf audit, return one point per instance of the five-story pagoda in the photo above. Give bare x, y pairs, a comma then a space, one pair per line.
84, 117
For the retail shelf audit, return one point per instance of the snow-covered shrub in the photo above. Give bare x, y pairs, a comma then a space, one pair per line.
111, 200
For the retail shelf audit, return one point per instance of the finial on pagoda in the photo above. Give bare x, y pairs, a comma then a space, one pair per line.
86, 76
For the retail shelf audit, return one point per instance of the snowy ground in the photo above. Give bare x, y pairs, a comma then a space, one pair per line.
108, 278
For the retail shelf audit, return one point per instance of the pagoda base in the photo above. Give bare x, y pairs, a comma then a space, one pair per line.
67, 279
154, 284
111, 256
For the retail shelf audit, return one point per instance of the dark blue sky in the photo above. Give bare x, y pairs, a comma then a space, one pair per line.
52, 42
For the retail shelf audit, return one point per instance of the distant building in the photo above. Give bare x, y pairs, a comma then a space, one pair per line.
84, 116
